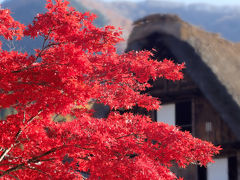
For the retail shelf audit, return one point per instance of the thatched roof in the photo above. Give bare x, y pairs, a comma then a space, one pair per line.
212, 62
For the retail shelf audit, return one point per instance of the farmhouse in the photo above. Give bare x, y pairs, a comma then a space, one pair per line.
207, 101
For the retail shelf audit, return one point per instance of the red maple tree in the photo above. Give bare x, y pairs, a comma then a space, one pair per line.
76, 64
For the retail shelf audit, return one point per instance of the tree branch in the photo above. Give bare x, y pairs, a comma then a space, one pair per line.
6, 151
15, 168
33, 160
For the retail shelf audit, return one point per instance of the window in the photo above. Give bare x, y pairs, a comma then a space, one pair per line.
184, 115
179, 114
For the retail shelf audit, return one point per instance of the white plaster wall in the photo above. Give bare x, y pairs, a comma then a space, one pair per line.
166, 114
218, 170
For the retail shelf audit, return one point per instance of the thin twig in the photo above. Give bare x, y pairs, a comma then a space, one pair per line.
28, 122
126, 136
36, 169
15, 177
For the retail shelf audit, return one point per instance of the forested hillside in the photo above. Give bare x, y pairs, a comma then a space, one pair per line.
25, 10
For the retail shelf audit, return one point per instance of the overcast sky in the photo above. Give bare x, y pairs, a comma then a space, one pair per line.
215, 2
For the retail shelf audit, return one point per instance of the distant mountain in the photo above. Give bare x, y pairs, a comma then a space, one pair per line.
219, 19
25, 10
114, 17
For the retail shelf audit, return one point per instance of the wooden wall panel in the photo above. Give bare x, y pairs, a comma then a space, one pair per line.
207, 118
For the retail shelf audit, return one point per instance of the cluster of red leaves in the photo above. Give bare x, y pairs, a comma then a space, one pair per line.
9, 27
77, 63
